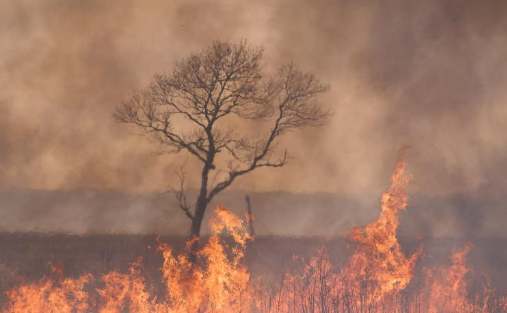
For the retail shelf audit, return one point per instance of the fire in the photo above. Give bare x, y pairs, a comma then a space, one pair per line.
217, 282
51, 295
379, 261
222, 284
126, 291
378, 277
377, 270
449, 289
448, 286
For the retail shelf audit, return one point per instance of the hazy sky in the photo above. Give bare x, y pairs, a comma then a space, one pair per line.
430, 74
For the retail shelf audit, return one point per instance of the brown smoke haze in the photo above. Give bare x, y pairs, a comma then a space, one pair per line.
430, 74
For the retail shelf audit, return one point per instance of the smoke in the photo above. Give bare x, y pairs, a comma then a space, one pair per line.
424, 73
429, 74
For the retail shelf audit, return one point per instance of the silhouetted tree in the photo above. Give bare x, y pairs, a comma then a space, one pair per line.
193, 109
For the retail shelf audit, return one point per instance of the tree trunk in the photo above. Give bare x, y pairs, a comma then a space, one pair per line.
195, 229
200, 209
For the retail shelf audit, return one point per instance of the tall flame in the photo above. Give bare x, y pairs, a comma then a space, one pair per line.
377, 268
378, 260
217, 282
377, 277
222, 283
378, 274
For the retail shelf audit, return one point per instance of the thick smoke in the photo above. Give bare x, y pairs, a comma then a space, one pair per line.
427, 73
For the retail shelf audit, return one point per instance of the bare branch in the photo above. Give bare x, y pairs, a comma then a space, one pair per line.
189, 109
181, 196
237, 173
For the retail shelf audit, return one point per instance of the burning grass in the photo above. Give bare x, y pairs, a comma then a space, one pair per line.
378, 277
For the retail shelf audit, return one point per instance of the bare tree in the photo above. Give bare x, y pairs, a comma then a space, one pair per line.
193, 109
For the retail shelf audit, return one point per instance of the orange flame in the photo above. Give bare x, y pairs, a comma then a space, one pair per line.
377, 268
48, 295
378, 274
379, 261
222, 284
219, 284
126, 291
448, 286
377, 277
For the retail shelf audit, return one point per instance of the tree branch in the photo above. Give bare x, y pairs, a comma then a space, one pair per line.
181, 197
187, 108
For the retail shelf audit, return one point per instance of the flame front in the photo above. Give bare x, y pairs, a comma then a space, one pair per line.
377, 278
58, 296
378, 275
215, 283
375, 273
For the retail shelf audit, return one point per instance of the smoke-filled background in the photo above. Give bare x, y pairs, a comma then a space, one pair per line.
430, 74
